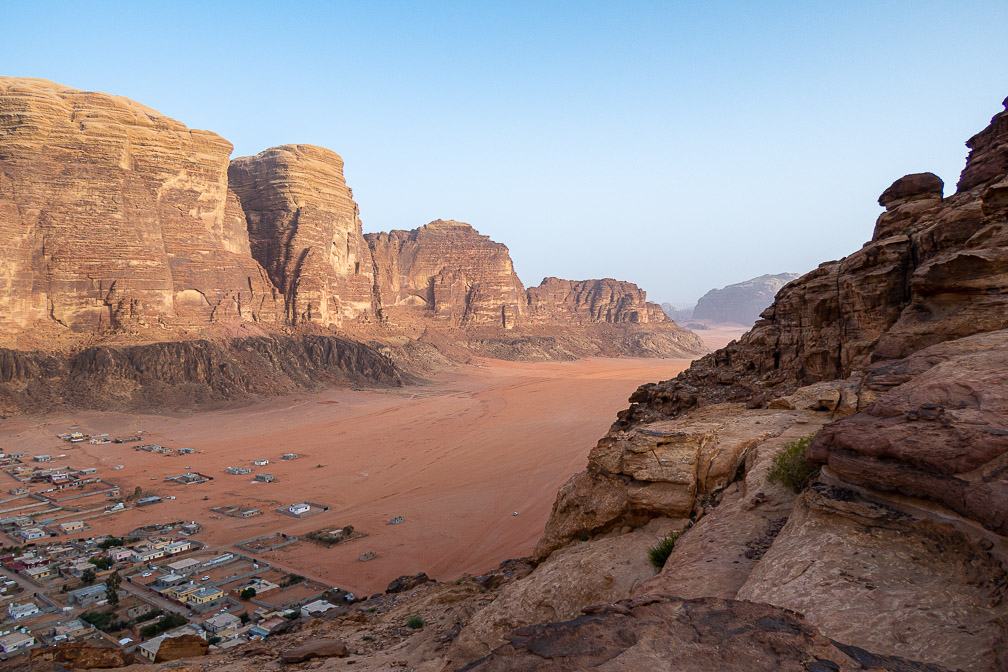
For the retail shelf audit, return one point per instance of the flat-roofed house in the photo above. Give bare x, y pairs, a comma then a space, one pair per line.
18, 611
16, 641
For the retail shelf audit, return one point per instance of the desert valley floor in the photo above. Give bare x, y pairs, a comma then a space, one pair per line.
455, 458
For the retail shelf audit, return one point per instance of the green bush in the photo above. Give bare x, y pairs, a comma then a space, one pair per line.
248, 593
415, 622
791, 468
659, 553
213, 639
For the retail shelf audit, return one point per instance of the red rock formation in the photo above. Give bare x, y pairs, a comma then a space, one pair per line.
557, 301
935, 270
112, 215
449, 270
304, 229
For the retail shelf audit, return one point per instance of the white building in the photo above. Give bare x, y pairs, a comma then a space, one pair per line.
299, 509
18, 611
316, 608
16, 641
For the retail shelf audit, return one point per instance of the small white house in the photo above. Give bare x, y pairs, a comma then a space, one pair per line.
300, 509
16, 641
18, 611
261, 463
316, 608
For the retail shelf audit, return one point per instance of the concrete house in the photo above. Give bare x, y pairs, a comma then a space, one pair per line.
88, 595
16, 641
18, 611
300, 509
222, 625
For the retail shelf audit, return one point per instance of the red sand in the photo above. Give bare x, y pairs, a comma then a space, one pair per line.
456, 458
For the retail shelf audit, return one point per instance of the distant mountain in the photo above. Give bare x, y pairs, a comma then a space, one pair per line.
742, 302
680, 315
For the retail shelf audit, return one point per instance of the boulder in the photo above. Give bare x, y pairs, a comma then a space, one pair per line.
84, 656
662, 632
317, 648
183, 646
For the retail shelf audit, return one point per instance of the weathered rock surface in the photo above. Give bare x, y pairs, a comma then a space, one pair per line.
407, 582
742, 302
889, 580
557, 301
114, 216
304, 229
318, 648
449, 270
664, 468
183, 646
661, 633
598, 571
935, 271
187, 374
84, 656
938, 431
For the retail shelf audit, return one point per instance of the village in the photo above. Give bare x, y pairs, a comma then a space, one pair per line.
62, 582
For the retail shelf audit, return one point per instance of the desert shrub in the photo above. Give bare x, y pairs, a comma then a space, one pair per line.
659, 553
790, 466
214, 639
415, 622
247, 594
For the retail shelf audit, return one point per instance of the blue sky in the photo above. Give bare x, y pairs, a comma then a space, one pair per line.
681, 146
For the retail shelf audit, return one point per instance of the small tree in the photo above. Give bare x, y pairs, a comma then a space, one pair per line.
88, 576
112, 584
248, 593
244, 617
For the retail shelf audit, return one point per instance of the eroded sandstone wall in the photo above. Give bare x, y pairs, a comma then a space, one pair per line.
449, 270
304, 229
591, 301
115, 216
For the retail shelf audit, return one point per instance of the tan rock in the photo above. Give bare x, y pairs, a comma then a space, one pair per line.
304, 229
595, 572
115, 216
875, 576
183, 646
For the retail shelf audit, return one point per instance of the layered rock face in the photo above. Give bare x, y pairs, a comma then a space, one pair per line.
114, 216
935, 270
304, 229
742, 302
894, 358
591, 301
189, 374
449, 270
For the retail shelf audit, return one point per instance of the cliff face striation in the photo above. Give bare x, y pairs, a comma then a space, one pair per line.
113, 216
447, 269
891, 366
121, 226
304, 229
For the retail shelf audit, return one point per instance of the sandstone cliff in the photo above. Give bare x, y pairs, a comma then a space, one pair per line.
894, 358
742, 302
591, 301
447, 269
115, 216
304, 229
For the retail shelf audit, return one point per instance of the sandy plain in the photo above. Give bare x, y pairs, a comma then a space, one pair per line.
455, 458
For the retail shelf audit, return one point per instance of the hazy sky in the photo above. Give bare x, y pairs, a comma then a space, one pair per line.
681, 146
